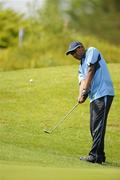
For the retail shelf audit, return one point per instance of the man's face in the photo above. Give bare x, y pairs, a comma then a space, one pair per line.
78, 53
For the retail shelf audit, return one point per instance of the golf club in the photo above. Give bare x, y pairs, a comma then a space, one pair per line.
59, 122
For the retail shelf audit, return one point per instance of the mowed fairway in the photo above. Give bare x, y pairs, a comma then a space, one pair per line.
40, 173
27, 107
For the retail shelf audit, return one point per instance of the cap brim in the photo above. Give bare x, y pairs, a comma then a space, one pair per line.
70, 50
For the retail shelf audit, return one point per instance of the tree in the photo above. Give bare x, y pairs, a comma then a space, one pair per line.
9, 26
51, 16
109, 6
98, 17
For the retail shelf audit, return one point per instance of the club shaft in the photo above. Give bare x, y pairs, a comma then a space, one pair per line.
64, 117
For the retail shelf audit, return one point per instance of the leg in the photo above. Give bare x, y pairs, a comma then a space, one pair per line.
99, 111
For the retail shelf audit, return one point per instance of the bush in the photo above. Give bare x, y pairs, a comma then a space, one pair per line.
49, 50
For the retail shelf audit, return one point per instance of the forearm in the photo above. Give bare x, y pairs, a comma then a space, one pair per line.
85, 85
89, 77
81, 86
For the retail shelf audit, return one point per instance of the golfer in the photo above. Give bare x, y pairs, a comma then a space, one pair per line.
95, 82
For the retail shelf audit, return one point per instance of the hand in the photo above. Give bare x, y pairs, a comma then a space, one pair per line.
81, 99
83, 96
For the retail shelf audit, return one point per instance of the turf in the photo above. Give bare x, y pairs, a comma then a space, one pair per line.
26, 108
40, 173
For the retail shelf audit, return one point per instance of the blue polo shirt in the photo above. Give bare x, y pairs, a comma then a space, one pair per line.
101, 84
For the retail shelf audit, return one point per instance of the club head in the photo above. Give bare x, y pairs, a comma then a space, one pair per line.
46, 131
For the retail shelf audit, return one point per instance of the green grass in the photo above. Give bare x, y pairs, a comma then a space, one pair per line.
40, 173
27, 108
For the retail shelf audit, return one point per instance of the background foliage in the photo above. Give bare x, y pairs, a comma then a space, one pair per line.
48, 31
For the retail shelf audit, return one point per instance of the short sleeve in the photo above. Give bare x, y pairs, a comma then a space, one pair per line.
92, 56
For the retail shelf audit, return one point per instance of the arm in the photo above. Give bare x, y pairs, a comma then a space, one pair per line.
85, 84
81, 87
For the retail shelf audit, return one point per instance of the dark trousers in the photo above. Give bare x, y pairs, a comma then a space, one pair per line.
99, 110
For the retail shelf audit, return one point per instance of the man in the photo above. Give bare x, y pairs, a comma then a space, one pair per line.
95, 82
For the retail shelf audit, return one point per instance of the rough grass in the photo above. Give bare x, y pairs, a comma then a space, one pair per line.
27, 108
39, 52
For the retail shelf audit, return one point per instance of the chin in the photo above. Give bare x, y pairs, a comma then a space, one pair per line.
78, 59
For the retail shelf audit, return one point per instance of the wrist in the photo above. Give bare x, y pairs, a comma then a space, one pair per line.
85, 92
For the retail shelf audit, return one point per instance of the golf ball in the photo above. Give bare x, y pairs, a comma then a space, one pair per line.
31, 80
